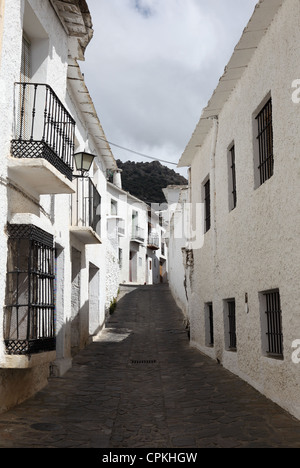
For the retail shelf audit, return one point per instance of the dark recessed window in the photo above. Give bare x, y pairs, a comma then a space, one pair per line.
230, 326
207, 206
210, 324
265, 142
272, 323
29, 313
232, 179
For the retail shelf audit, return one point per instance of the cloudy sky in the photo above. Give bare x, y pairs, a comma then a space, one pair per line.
152, 66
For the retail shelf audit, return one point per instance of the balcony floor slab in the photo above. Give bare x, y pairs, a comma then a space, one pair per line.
39, 176
86, 235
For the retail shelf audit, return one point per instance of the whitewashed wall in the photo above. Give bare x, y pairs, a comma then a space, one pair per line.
49, 65
256, 246
52, 213
177, 197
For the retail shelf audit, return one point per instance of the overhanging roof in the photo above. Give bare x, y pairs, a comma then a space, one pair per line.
259, 23
76, 19
85, 103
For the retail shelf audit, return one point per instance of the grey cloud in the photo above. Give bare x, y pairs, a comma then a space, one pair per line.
150, 75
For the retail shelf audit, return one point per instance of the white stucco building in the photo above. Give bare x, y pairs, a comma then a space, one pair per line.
54, 286
177, 197
136, 232
157, 248
243, 296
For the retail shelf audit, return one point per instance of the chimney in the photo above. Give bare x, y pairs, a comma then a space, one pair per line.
117, 179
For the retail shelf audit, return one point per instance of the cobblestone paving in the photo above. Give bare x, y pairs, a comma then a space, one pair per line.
140, 384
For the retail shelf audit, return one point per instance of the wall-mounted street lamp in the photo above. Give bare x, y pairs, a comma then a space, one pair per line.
83, 162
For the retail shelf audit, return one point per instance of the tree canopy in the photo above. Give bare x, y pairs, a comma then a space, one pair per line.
146, 180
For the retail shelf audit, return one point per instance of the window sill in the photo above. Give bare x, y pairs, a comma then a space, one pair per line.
275, 357
27, 361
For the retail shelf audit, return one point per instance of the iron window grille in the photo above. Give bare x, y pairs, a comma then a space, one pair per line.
29, 313
232, 324
207, 205
265, 142
86, 205
233, 177
43, 127
211, 324
274, 323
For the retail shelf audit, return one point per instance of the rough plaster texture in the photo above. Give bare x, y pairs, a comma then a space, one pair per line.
51, 213
12, 381
139, 264
177, 198
112, 276
255, 247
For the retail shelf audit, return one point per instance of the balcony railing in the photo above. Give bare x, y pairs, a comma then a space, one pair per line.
138, 234
153, 241
121, 227
86, 205
43, 127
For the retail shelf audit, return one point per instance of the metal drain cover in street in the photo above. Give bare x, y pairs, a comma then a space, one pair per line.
143, 361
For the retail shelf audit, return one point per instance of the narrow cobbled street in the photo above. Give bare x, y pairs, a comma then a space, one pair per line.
141, 385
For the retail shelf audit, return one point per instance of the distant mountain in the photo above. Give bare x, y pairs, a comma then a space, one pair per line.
146, 180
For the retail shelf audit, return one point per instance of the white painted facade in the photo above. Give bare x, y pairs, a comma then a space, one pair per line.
177, 197
157, 248
36, 194
252, 249
137, 237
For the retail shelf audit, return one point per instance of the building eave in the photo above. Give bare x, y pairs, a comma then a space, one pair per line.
87, 108
258, 25
76, 19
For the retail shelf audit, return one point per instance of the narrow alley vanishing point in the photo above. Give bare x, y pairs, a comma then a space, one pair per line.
140, 384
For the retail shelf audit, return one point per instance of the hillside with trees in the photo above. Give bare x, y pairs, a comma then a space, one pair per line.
146, 180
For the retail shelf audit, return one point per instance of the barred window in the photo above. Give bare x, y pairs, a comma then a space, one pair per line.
230, 325
265, 142
272, 324
209, 321
29, 321
232, 179
207, 206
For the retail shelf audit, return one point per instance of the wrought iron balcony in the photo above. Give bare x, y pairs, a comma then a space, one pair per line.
138, 234
43, 127
86, 211
29, 313
153, 241
121, 228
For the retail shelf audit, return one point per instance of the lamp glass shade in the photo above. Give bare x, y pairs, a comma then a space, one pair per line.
83, 161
